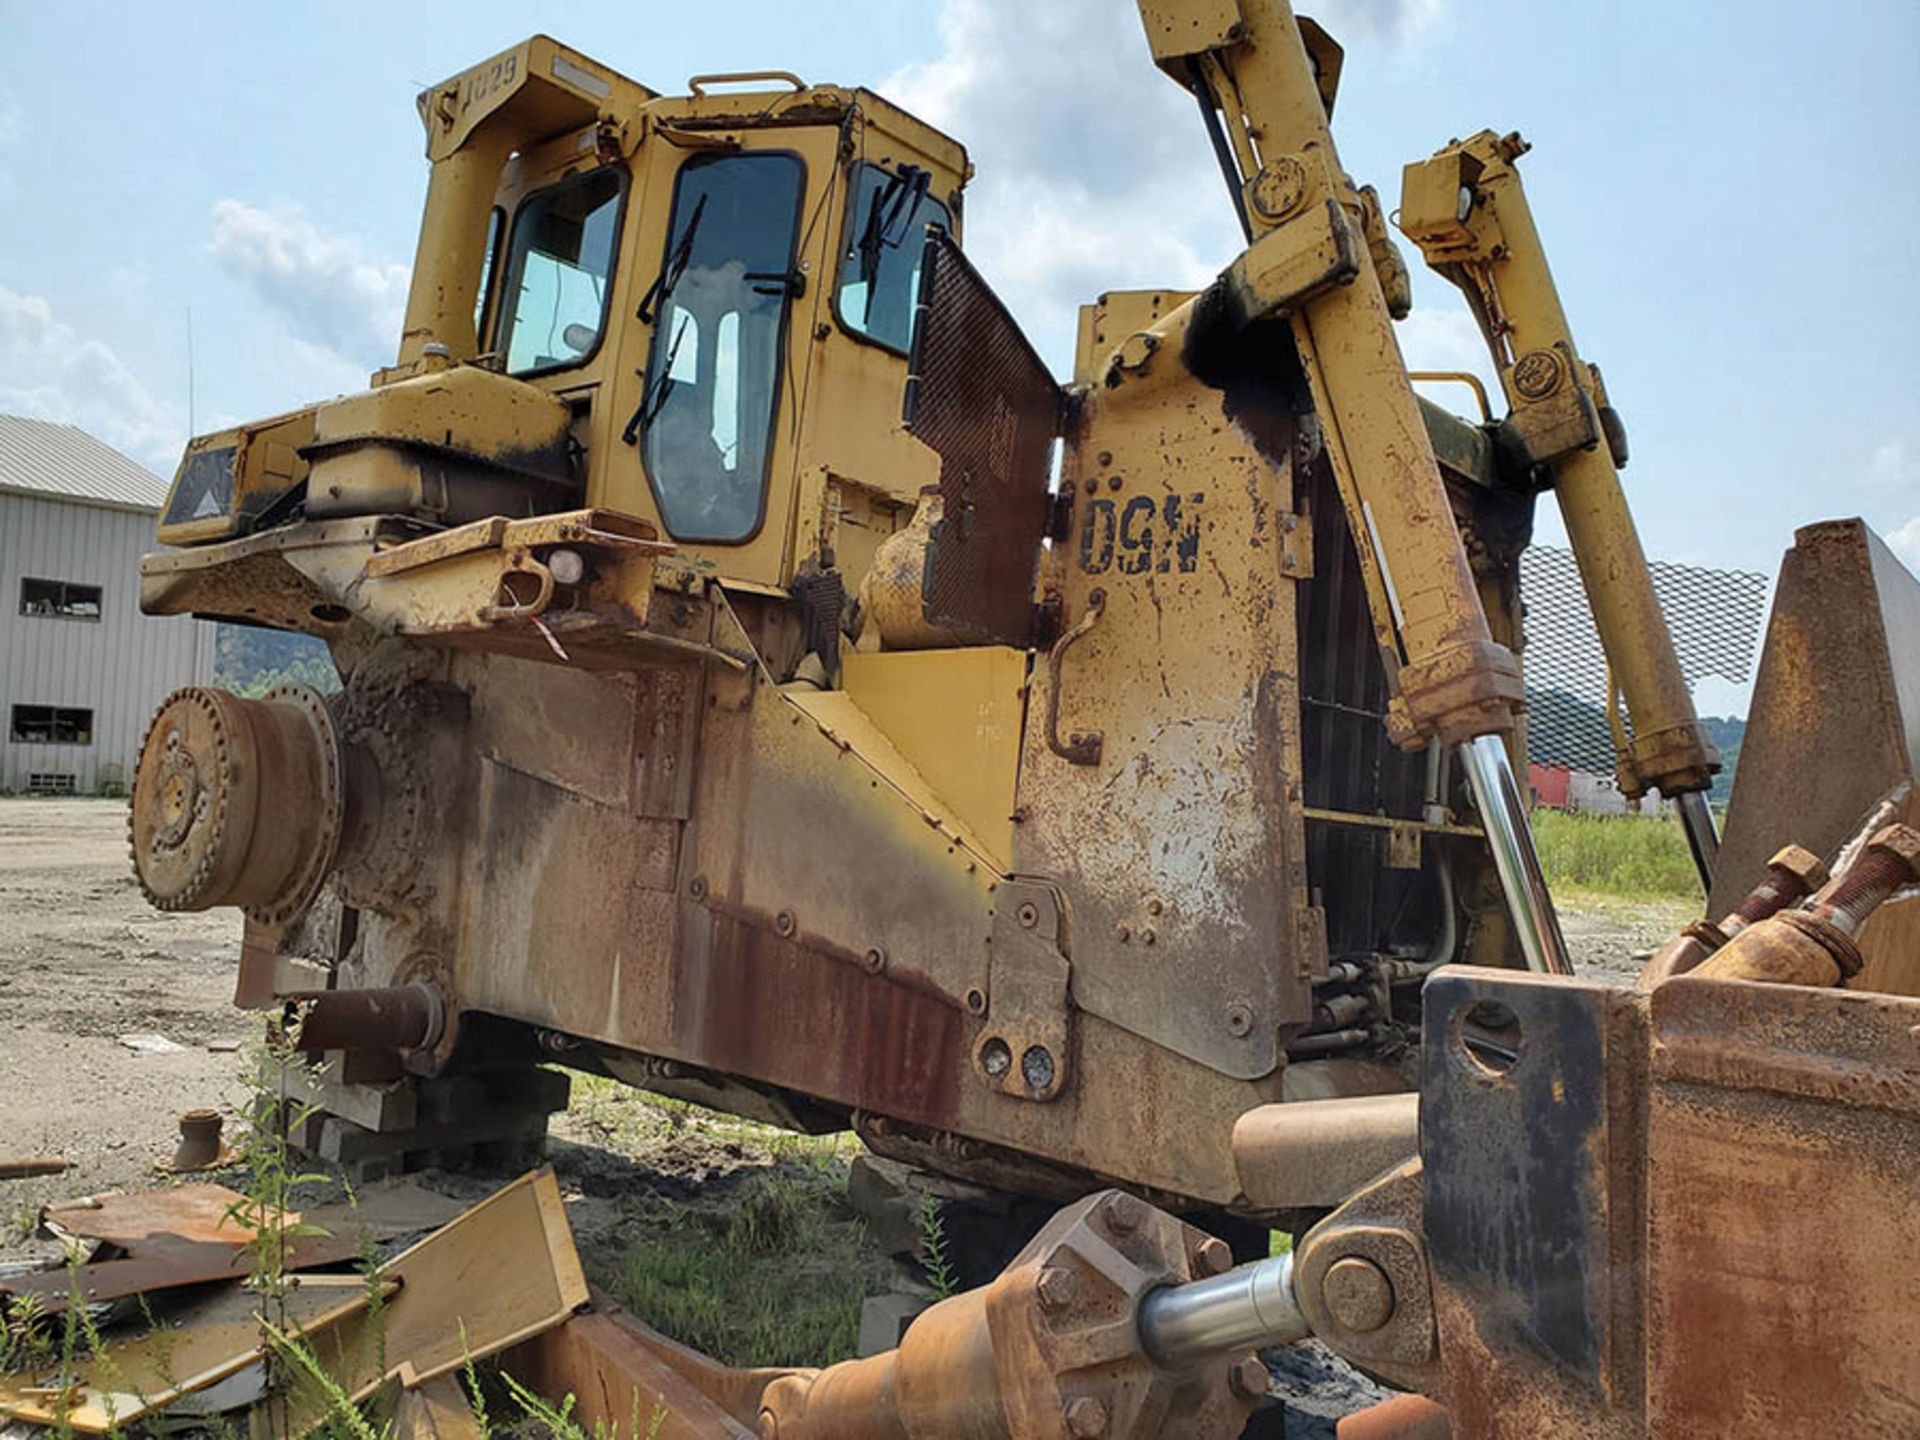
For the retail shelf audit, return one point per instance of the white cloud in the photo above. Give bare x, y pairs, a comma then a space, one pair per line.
327, 290
48, 371
1890, 467
12, 127
1094, 171
1399, 22
1905, 543
1448, 338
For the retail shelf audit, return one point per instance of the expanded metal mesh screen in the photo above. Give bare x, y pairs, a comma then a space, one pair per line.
980, 396
1713, 615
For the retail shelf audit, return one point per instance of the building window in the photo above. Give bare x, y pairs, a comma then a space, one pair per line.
52, 725
60, 598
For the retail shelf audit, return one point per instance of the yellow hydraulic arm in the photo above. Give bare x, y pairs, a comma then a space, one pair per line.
1467, 212
1318, 253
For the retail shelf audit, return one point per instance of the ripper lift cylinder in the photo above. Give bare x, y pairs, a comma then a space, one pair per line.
1467, 210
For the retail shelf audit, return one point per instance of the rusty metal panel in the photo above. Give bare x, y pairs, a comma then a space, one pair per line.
1835, 723
1178, 838
1783, 1156
1515, 1136
1685, 1213
980, 396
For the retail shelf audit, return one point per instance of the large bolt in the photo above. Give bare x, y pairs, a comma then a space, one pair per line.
1791, 874
1212, 1256
1358, 1294
1057, 1287
1890, 861
1086, 1417
1124, 1214
1248, 1378
1902, 842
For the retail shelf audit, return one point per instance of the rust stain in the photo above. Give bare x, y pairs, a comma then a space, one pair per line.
775, 1008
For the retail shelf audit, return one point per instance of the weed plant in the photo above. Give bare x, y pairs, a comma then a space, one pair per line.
1634, 856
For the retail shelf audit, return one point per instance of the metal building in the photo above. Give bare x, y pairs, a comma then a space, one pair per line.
81, 669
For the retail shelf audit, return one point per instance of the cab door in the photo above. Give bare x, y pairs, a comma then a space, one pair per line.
717, 335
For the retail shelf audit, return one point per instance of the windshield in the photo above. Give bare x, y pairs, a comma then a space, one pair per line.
555, 299
713, 373
880, 266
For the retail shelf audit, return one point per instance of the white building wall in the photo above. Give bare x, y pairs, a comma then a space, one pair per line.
120, 666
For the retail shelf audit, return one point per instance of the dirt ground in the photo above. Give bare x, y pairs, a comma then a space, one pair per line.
84, 962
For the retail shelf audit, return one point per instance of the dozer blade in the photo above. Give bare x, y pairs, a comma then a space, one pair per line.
1834, 727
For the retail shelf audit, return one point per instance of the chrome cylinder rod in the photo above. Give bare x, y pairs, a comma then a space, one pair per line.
1503, 815
1249, 1308
1703, 837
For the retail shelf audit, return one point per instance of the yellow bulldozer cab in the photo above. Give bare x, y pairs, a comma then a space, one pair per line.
623, 301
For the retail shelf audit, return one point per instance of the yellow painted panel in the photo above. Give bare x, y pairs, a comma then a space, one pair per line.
955, 716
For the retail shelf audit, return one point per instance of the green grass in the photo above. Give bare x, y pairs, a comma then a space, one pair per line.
763, 1265
774, 1275
645, 1126
1636, 856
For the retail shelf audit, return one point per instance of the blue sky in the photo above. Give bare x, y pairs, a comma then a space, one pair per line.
1727, 192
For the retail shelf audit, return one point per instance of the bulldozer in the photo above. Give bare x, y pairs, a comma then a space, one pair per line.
766, 683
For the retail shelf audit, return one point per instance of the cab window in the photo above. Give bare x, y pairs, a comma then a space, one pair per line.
880, 264
558, 267
719, 311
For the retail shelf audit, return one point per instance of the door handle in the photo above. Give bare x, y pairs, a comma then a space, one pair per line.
1079, 748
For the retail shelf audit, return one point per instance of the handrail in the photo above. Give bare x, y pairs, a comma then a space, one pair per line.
698, 83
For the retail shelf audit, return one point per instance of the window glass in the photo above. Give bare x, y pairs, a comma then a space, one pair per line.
59, 598
555, 300
52, 725
204, 487
714, 371
886, 236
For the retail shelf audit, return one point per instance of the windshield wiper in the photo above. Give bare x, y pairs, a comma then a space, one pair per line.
653, 396
894, 205
675, 266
